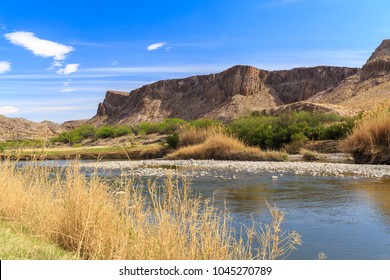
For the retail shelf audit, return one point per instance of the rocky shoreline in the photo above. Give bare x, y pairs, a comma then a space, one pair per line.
232, 169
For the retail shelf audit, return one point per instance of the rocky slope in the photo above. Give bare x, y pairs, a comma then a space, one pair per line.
241, 89
18, 128
225, 95
367, 89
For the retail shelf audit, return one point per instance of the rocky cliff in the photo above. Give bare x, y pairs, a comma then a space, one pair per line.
241, 89
379, 61
365, 90
226, 95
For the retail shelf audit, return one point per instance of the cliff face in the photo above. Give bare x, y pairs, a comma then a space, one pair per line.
365, 90
225, 95
379, 61
241, 89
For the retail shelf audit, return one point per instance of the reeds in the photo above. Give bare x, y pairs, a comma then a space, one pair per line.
370, 140
124, 220
222, 147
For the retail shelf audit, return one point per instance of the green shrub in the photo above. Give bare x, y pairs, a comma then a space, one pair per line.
167, 126
274, 132
112, 131
173, 140
81, 133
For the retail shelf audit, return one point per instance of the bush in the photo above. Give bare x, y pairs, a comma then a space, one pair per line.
76, 135
112, 131
370, 140
274, 132
83, 132
173, 141
167, 126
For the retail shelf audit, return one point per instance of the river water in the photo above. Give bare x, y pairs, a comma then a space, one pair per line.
345, 218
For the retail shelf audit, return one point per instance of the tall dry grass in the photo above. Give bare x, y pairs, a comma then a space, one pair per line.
370, 140
222, 147
192, 135
128, 221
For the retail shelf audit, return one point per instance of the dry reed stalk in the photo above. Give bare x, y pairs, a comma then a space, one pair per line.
128, 221
370, 140
220, 147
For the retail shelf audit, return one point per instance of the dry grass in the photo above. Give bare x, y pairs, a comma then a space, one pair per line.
370, 140
128, 221
190, 135
222, 147
311, 155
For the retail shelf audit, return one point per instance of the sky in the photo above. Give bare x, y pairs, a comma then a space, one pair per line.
58, 58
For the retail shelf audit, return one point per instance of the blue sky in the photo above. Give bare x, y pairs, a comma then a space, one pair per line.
58, 58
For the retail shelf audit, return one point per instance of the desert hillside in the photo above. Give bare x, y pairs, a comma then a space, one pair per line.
18, 128
226, 95
242, 89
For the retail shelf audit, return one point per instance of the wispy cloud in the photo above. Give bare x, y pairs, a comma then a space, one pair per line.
5, 110
5, 67
155, 46
67, 90
69, 69
39, 47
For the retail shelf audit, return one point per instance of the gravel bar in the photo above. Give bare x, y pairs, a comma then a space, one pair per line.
200, 168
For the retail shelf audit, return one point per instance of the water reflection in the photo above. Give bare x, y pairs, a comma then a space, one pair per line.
346, 218
378, 193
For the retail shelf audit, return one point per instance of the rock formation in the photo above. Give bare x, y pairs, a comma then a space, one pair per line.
226, 95
242, 89
367, 89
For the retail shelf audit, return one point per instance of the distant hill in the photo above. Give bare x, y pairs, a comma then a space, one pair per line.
18, 128
242, 89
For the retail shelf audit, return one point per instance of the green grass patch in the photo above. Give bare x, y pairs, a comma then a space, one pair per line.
16, 243
87, 131
116, 152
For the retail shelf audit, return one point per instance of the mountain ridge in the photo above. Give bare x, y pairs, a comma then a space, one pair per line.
225, 95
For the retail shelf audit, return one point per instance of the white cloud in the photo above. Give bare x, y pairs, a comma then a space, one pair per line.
155, 46
5, 110
54, 65
67, 90
114, 63
37, 46
5, 66
69, 69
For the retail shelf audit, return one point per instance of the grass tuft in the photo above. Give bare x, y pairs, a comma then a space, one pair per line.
370, 140
222, 147
124, 220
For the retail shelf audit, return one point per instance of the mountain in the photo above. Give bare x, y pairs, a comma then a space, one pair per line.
242, 89
18, 128
367, 89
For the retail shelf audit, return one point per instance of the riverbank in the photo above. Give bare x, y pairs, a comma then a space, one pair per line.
117, 152
200, 168
16, 243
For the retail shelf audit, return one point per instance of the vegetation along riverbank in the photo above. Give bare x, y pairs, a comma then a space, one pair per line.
126, 220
